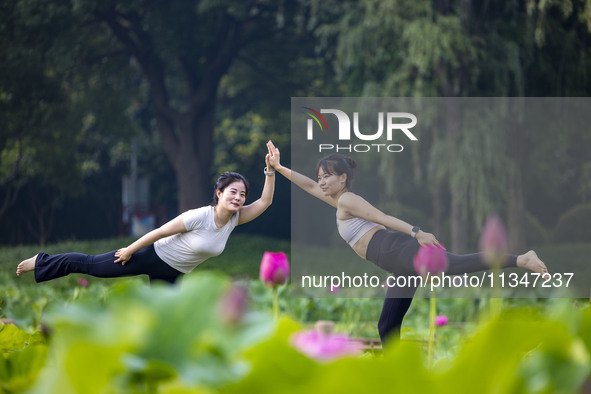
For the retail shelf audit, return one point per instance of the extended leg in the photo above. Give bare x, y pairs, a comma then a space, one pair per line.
394, 252
48, 267
394, 309
143, 262
468, 263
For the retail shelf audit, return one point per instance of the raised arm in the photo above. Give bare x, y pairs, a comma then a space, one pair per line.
357, 206
254, 210
303, 182
175, 226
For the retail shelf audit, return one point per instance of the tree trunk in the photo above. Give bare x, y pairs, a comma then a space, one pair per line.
186, 135
191, 179
187, 141
193, 160
43, 214
516, 204
458, 199
437, 197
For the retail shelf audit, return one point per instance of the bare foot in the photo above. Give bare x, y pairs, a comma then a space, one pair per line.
26, 266
532, 262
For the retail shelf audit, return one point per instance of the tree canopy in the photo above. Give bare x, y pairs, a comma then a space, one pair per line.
202, 84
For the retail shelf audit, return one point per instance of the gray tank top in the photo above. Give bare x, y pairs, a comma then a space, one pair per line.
351, 230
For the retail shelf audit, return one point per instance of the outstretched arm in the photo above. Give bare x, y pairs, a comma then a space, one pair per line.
254, 210
303, 182
357, 206
175, 226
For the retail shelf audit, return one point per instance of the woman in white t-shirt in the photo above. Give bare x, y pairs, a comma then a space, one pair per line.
173, 249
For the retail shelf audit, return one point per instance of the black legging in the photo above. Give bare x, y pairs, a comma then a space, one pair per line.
394, 252
143, 262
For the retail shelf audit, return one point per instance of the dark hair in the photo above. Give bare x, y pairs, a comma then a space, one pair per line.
338, 164
226, 179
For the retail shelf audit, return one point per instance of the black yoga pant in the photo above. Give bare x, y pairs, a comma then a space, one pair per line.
143, 262
394, 252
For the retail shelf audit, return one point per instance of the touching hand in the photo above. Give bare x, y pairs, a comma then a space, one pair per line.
268, 163
123, 256
273, 156
426, 239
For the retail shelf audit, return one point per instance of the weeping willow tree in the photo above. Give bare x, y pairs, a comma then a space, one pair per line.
447, 48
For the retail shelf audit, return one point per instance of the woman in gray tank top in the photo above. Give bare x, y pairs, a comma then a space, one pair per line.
388, 242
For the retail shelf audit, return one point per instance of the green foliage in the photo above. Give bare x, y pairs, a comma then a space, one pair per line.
574, 225
24, 301
240, 141
521, 351
511, 343
474, 161
467, 49
60, 116
124, 336
22, 356
142, 337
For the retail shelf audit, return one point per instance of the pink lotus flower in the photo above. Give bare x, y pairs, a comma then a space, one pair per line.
274, 269
493, 241
430, 259
83, 282
233, 304
441, 320
324, 346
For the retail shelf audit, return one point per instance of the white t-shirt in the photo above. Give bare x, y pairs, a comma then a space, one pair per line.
185, 251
